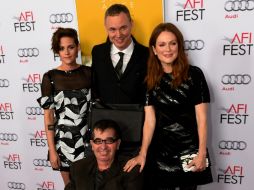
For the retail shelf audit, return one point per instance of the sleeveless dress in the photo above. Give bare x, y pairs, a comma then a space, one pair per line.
68, 93
176, 131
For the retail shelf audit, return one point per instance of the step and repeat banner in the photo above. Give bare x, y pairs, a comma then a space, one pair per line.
219, 39
26, 27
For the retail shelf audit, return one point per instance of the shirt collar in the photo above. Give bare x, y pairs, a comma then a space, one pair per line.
128, 50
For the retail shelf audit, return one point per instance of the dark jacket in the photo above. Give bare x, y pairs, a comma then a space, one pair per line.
107, 87
83, 174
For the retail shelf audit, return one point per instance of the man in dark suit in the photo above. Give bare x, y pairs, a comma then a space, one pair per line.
118, 78
104, 170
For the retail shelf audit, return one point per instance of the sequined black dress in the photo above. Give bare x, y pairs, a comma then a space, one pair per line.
176, 130
68, 94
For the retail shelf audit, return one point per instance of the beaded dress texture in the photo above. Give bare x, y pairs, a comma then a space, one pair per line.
176, 131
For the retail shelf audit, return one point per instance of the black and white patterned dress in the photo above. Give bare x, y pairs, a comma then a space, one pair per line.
68, 93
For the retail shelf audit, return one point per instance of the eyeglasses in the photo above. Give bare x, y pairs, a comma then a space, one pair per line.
109, 140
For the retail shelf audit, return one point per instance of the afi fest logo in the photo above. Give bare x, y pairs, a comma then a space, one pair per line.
236, 114
25, 22
240, 44
193, 10
13, 162
32, 83
2, 55
46, 185
33, 112
231, 175
38, 139
26, 53
233, 7
6, 112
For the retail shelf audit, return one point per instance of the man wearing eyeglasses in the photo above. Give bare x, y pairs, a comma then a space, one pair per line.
104, 169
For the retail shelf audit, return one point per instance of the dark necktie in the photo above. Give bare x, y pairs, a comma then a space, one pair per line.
119, 65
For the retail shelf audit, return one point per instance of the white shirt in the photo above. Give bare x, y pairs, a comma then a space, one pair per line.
127, 55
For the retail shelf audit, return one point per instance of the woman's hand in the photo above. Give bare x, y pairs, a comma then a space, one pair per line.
198, 163
138, 160
148, 129
54, 159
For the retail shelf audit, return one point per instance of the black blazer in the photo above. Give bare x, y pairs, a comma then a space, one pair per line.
83, 173
107, 87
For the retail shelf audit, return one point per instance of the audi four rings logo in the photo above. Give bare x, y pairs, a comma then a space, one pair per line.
194, 44
239, 5
8, 137
236, 79
232, 145
60, 18
41, 162
16, 185
28, 52
4, 83
34, 111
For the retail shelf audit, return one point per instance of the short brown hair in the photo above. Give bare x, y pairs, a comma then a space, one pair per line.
116, 9
63, 32
104, 124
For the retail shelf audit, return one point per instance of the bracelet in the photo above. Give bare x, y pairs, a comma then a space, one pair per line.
51, 127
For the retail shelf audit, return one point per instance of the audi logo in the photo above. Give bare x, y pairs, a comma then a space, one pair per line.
16, 185
232, 145
41, 162
28, 52
60, 18
239, 5
4, 83
236, 79
194, 44
34, 111
8, 137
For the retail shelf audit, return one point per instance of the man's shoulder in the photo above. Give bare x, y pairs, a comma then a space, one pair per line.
141, 50
139, 45
122, 161
100, 47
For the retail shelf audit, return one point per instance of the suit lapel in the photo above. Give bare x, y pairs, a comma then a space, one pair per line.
90, 181
107, 59
131, 62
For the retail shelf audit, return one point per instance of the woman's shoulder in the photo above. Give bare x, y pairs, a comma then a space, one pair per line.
195, 71
194, 68
49, 73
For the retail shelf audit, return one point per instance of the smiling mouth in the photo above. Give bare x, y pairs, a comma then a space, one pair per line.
119, 40
168, 55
